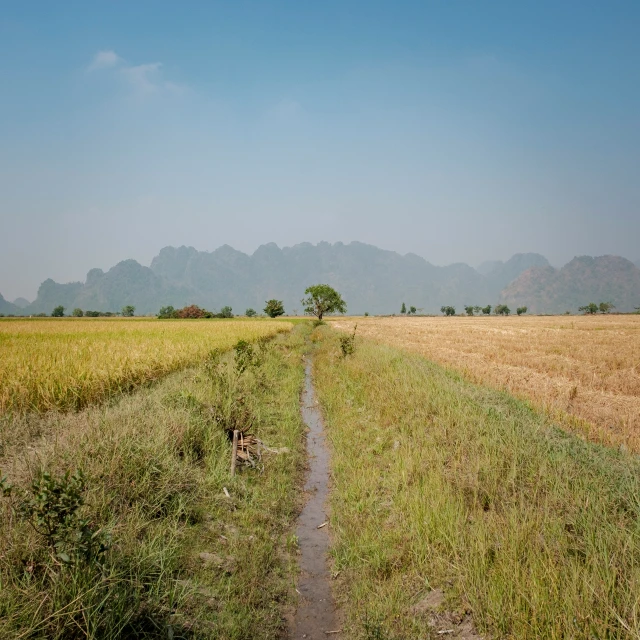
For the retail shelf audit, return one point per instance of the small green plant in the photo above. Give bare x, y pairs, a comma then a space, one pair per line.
52, 506
246, 356
348, 343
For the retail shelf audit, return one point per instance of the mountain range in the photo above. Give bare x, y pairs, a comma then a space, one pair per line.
370, 279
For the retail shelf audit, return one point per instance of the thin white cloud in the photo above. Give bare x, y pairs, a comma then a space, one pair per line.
143, 79
105, 60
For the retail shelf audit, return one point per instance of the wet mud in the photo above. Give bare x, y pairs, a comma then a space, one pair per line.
316, 616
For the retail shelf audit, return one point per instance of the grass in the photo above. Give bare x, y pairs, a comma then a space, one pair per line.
185, 560
583, 371
440, 483
70, 363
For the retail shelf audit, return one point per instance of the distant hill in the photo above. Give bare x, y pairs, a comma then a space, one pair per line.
21, 303
583, 280
7, 308
370, 279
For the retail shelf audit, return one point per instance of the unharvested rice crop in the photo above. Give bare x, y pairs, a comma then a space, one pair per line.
70, 363
584, 370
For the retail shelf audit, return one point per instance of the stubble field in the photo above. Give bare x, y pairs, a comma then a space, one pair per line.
584, 371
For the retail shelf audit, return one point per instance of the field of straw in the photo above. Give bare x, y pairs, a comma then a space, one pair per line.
584, 371
70, 363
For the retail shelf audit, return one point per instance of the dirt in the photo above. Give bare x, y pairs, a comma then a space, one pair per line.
316, 616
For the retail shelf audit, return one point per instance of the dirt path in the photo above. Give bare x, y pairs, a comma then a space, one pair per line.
316, 614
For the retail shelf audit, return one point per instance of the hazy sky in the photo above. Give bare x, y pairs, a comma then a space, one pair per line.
461, 131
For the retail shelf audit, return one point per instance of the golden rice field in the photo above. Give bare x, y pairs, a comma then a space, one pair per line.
583, 370
69, 363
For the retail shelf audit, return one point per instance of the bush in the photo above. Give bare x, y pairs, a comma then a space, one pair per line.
348, 343
225, 312
193, 312
250, 313
58, 312
502, 310
246, 356
128, 311
77, 313
274, 308
167, 312
487, 310
448, 311
589, 309
521, 310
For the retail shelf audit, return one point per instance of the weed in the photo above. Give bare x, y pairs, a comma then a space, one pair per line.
348, 343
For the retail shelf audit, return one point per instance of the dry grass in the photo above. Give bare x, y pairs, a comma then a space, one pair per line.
71, 363
585, 371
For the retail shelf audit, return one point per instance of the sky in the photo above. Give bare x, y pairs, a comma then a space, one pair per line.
462, 131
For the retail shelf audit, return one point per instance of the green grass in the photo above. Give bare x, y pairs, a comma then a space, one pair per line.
439, 483
156, 465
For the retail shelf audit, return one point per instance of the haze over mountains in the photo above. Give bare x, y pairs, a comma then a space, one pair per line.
369, 278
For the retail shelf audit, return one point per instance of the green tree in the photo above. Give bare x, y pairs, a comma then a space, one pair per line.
274, 308
128, 311
487, 310
77, 313
412, 310
502, 310
521, 310
250, 313
469, 310
323, 299
225, 312
167, 312
58, 312
448, 310
589, 309
403, 308
605, 307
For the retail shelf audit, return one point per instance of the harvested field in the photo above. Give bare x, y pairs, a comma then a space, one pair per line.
70, 363
584, 371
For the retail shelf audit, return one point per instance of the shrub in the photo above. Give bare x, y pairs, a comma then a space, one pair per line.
128, 311
589, 309
274, 308
250, 313
487, 310
521, 310
448, 310
77, 313
502, 310
348, 343
192, 311
58, 312
245, 356
166, 312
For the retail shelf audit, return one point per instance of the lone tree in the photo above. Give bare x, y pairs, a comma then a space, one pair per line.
58, 312
323, 299
274, 308
128, 311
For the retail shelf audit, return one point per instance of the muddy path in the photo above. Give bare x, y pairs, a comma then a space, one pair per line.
316, 616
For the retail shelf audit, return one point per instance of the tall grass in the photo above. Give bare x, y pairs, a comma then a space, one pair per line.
71, 363
439, 483
185, 560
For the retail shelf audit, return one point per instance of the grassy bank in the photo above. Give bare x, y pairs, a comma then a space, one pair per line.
442, 484
156, 549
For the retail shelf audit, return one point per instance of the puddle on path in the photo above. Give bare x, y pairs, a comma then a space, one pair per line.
316, 614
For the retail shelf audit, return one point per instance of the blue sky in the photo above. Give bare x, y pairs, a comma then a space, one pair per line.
461, 131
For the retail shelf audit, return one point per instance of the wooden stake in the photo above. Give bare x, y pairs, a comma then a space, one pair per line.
234, 452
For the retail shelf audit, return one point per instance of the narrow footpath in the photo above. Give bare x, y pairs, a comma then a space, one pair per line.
315, 618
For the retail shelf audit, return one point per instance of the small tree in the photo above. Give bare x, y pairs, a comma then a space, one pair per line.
487, 310
403, 308
469, 310
77, 313
502, 310
605, 307
448, 310
521, 310
589, 309
128, 311
274, 308
167, 312
323, 299
58, 312
225, 312
477, 309
412, 310
250, 313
